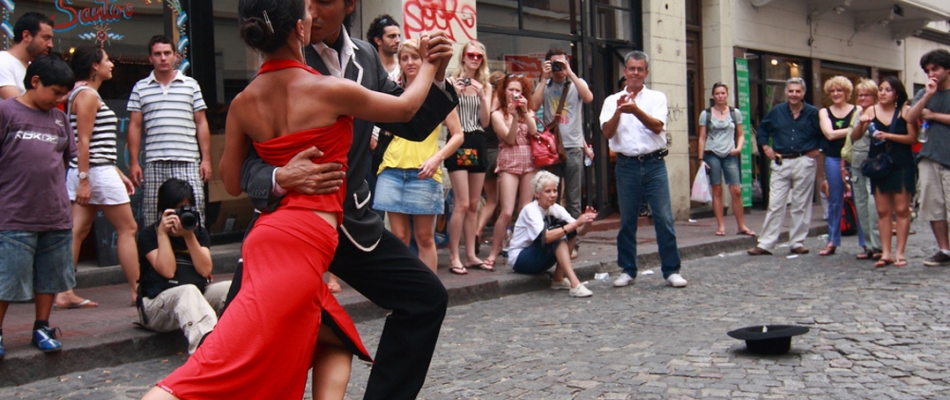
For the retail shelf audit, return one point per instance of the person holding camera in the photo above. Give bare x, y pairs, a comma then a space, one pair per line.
545, 234
514, 123
633, 121
175, 289
556, 78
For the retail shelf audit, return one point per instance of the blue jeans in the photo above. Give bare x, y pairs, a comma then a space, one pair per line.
635, 180
835, 198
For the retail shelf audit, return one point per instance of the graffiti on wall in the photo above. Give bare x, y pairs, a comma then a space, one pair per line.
454, 17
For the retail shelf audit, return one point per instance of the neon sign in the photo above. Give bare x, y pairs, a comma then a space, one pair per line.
104, 11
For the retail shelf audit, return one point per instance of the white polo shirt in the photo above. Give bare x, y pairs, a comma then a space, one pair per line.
633, 138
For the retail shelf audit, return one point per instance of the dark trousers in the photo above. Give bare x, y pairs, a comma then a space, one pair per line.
395, 279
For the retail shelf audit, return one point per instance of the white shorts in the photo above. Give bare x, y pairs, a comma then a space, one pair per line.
107, 187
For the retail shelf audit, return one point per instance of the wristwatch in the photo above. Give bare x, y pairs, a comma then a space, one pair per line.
83, 175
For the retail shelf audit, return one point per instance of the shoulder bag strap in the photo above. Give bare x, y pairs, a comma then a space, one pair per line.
560, 107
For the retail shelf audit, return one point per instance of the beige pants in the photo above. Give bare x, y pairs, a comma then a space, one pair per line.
186, 308
792, 182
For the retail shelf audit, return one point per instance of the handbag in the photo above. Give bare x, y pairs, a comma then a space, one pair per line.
881, 165
555, 125
847, 150
544, 150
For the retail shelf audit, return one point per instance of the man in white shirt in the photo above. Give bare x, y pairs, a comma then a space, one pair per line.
633, 121
32, 37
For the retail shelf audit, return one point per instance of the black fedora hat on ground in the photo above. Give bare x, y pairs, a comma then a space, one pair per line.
768, 339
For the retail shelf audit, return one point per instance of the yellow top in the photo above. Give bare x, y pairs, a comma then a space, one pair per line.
406, 154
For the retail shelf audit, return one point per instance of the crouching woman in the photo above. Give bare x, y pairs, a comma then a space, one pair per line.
175, 290
544, 235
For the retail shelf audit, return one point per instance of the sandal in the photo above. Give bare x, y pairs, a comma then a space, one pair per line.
85, 303
481, 265
747, 232
828, 250
900, 262
883, 263
866, 254
458, 270
721, 233
334, 287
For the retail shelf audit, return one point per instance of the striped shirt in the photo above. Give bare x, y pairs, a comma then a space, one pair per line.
102, 144
168, 116
469, 107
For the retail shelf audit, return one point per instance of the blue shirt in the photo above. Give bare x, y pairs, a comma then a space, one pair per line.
790, 135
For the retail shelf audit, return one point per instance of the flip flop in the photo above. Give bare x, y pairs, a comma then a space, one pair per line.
458, 270
720, 233
865, 255
900, 262
482, 265
82, 304
883, 263
334, 287
746, 232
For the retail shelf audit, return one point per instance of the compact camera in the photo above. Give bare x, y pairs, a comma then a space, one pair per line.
467, 81
516, 98
188, 216
557, 66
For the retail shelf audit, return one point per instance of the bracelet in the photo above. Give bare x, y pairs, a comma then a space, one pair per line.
564, 229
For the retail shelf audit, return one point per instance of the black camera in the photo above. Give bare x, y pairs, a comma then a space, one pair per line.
467, 81
188, 216
557, 66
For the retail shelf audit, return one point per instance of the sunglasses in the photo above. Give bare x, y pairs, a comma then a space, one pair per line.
475, 56
513, 76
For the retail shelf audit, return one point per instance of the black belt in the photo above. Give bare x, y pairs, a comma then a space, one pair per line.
790, 156
659, 154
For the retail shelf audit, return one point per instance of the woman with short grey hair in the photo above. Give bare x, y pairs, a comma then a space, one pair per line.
544, 235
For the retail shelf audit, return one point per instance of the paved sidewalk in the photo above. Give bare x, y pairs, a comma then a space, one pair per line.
106, 335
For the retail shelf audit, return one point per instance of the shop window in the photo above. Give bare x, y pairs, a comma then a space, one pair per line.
499, 14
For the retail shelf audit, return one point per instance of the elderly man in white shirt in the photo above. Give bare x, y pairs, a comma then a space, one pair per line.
633, 121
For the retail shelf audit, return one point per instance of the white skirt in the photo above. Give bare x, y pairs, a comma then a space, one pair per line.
107, 187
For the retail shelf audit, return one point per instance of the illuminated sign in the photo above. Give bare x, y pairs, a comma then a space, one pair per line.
105, 11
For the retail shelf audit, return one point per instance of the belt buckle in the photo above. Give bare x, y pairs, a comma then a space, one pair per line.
644, 157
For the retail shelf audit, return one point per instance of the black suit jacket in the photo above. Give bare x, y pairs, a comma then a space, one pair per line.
361, 226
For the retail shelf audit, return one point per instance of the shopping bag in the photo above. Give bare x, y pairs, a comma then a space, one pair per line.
701, 192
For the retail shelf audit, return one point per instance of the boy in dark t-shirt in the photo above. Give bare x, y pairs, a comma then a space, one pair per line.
175, 289
36, 143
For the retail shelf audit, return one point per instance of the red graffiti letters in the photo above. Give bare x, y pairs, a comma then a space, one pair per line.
444, 15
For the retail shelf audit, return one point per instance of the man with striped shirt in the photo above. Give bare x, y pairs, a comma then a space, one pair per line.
170, 107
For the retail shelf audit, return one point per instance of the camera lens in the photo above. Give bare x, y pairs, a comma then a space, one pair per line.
556, 66
188, 216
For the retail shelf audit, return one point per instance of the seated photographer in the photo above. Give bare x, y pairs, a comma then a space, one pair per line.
544, 235
174, 288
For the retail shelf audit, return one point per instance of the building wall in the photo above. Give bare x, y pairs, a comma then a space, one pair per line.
664, 40
781, 27
915, 48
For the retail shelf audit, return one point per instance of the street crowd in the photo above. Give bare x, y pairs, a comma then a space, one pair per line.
325, 170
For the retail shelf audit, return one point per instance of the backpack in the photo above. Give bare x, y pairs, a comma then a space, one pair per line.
732, 114
849, 225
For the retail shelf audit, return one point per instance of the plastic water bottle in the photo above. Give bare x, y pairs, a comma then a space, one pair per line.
872, 129
922, 136
587, 160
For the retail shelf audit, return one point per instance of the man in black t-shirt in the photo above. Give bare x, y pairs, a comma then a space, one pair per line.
175, 289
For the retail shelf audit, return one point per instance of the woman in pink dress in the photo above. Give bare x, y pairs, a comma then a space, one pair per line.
264, 346
515, 125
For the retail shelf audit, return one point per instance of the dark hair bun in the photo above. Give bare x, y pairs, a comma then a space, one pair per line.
255, 33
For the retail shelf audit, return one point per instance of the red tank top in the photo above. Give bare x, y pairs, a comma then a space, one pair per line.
334, 141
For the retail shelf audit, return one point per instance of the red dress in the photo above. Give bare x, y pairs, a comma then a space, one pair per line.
263, 346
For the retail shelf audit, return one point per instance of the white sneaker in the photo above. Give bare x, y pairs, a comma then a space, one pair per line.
563, 284
676, 280
623, 280
581, 291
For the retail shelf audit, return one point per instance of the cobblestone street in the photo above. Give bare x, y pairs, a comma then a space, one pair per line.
875, 334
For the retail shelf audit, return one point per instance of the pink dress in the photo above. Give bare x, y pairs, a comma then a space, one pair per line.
516, 159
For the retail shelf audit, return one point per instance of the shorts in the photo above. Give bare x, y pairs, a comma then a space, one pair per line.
471, 156
35, 262
728, 166
934, 188
401, 191
536, 258
107, 187
492, 163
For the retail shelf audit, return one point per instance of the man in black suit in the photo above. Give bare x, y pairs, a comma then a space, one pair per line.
369, 258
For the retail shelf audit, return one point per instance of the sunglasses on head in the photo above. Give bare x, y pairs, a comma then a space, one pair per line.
475, 56
513, 76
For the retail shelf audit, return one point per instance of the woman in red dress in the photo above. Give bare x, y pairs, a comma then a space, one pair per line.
264, 346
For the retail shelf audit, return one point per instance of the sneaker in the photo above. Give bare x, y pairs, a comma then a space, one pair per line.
676, 280
563, 284
45, 340
623, 280
581, 291
937, 260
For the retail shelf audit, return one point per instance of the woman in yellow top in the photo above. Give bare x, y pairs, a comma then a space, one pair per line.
409, 184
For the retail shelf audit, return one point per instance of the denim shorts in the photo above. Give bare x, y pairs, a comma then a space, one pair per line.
35, 262
728, 166
536, 258
401, 191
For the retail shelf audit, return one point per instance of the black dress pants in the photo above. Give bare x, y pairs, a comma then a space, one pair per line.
392, 277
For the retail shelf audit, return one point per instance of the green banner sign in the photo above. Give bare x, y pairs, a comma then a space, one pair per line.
745, 165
